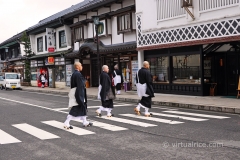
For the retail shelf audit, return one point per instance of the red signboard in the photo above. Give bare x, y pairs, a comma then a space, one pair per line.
51, 49
50, 60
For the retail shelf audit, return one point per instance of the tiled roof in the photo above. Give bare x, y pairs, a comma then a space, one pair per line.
79, 6
13, 38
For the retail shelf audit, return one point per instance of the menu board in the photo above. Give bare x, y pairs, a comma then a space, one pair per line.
134, 72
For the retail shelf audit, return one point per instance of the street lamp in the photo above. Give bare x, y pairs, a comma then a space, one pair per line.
96, 22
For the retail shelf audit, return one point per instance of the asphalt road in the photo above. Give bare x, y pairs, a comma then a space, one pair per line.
31, 128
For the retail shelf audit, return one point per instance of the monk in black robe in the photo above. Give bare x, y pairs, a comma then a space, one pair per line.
78, 112
145, 76
117, 72
107, 93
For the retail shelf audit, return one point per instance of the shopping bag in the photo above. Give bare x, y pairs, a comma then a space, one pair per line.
99, 90
141, 89
117, 79
72, 100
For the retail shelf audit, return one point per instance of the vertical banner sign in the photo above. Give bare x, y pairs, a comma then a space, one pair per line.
50, 39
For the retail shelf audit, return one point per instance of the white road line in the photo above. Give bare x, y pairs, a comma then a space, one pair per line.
60, 109
118, 105
198, 115
152, 119
106, 126
75, 130
180, 117
122, 120
6, 138
164, 108
36, 132
31, 105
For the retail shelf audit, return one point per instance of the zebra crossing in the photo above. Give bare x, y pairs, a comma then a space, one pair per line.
135, 120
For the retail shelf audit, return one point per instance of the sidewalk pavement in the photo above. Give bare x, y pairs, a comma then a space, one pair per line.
216, 103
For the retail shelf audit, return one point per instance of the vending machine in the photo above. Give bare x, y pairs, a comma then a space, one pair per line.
45, 72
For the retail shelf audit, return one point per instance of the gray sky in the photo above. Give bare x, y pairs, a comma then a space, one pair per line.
18, 15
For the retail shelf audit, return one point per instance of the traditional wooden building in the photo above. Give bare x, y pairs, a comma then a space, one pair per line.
192, 46
117, 37
12, 55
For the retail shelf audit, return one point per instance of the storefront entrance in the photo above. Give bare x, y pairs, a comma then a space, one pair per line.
225, 72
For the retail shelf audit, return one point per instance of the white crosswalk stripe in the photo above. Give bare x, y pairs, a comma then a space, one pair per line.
195, 114
122, 120
75, 130
106, 126
6, 138
152, 119
180, 117
36, 132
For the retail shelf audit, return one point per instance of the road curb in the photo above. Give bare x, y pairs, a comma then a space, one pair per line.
154, 102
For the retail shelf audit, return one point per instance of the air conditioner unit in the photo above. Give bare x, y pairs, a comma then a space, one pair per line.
186, 3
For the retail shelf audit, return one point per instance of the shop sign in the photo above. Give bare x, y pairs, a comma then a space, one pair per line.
51, 49
50, 39
50, 60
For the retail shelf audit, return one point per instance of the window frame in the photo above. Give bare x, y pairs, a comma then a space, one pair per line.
75, 39
38, 50
130, 29
60, 44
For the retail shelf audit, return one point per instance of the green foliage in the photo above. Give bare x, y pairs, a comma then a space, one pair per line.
25, 40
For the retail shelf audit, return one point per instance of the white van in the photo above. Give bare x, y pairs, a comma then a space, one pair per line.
10, 80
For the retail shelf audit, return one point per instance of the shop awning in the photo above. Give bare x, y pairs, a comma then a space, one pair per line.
49, 54
9, 44
104, 49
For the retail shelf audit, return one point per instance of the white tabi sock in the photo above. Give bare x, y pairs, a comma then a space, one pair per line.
85, 122
146, 111
109, 112
69, 118
138, 107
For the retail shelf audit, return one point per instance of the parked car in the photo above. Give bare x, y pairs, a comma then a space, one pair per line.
10, 80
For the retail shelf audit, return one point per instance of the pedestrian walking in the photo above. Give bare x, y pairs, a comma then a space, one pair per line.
118, 79
144, 77
79, 111
106, 93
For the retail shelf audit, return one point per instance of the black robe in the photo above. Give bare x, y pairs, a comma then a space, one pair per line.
77, 80
118, 72
146, 77
106, 84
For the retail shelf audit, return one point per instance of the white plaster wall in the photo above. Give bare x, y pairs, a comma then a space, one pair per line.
67, 30
109, 26
89, 30
75, 20
68, 35
133, 20
90, 14
127, 3
103, 10
32, 41
150, 23
106, 40
129, 36
85, 31
115, 37
22, 49
35, 45
82, 17
115, 7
